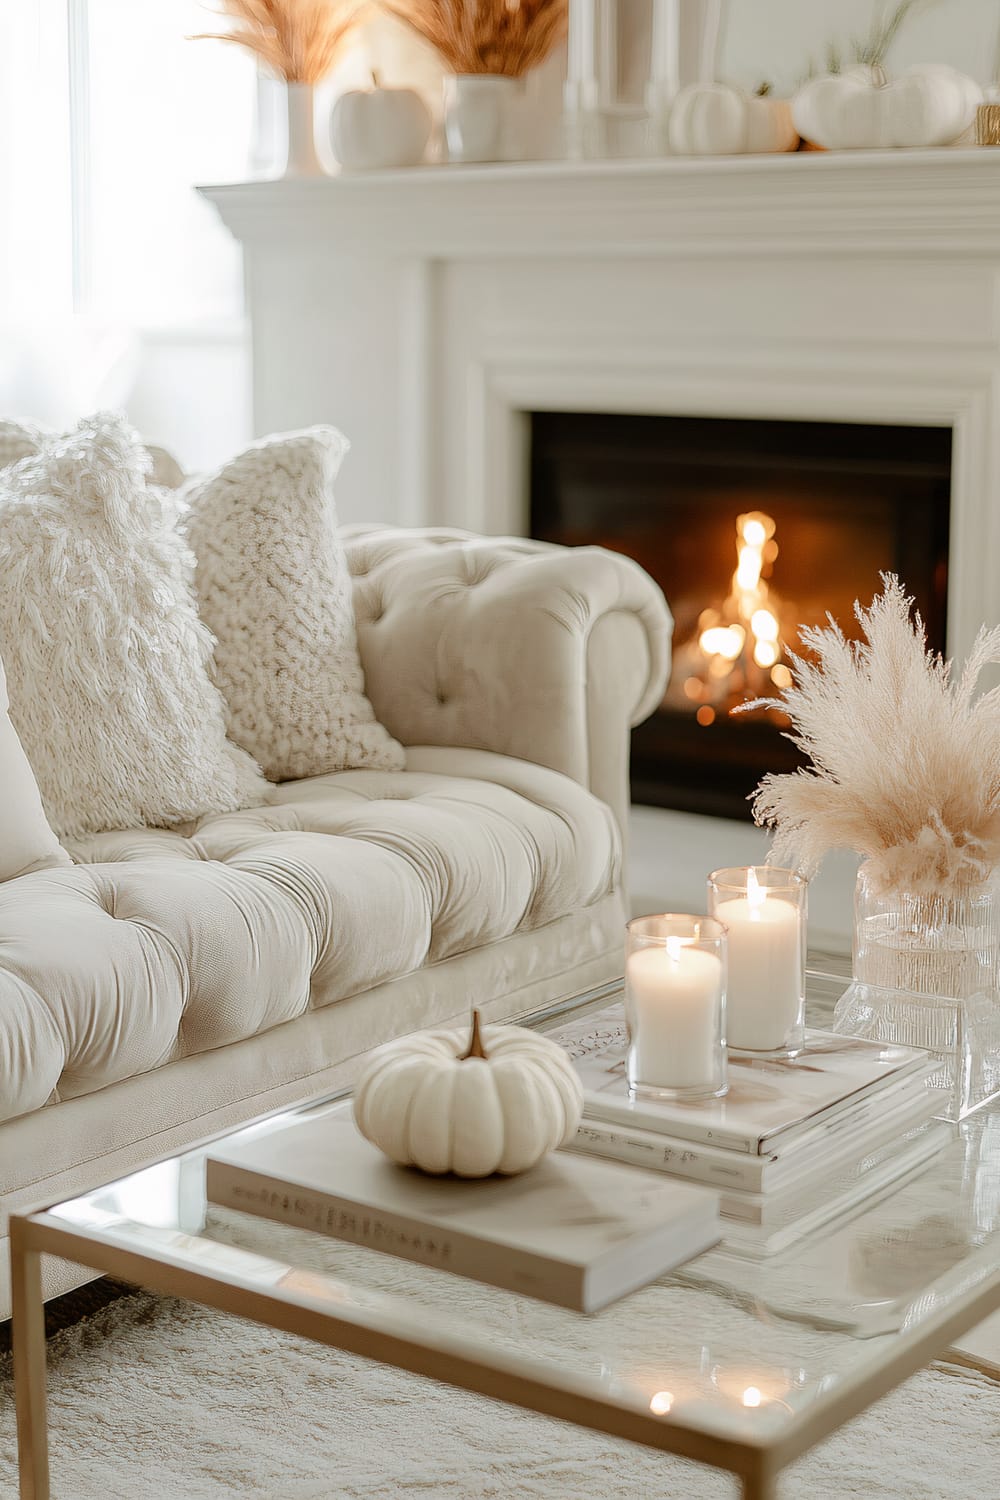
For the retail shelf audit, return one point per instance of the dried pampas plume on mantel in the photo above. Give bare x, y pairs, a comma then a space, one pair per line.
500, 37
905, 758
298, 40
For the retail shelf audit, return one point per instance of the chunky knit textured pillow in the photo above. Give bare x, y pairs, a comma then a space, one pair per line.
26, 841
106, 658
274, 589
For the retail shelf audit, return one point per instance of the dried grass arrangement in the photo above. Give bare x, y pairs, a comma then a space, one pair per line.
298, 40
504, 37
905, 758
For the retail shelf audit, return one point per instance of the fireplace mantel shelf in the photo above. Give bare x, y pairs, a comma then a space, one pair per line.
844, 203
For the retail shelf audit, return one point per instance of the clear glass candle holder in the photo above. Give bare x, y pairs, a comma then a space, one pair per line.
675, 1006
763, 909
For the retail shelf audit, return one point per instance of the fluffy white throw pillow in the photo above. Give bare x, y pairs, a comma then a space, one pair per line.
19, 439
274, 589
106, 658
26, 841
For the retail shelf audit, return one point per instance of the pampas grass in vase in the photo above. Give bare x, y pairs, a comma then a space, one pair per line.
297, 41
906, 772
488, 47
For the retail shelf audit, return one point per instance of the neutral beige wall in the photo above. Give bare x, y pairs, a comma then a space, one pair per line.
774, 39
778, 40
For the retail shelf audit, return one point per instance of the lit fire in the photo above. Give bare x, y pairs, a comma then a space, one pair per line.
737, 651
756, 623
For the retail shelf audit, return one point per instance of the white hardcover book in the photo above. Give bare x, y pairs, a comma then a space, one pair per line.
770, 1101
787, 1219
574, 1230
879, 1119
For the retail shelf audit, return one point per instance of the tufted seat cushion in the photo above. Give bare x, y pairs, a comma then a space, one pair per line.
176, 942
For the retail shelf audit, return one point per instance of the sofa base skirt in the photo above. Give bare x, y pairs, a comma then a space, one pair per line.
75, 1146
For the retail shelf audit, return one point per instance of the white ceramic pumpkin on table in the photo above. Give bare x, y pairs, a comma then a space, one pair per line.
444, 1101
379, 128
864, 109
712, 119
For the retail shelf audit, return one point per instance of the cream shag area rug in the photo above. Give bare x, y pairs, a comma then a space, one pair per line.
153, 1399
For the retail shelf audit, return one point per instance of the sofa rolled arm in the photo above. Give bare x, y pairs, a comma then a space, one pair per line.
546, 653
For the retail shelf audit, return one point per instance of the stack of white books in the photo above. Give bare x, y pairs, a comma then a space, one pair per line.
794, 1144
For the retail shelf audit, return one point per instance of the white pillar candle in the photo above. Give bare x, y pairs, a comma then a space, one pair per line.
764, 993
708, 42
675, 995
664, 74
581, 62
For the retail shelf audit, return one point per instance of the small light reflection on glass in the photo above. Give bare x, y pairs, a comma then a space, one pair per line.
661, 1403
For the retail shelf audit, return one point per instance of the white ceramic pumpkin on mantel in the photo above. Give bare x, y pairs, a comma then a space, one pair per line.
865, 109
712, 119
444, 1101
380, 128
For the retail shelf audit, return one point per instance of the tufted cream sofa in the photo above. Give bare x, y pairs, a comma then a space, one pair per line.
171, 983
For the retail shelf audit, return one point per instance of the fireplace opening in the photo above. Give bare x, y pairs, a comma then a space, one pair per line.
753, 529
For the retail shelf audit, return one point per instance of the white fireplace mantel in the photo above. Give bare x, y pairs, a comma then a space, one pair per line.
862, 202
427, 312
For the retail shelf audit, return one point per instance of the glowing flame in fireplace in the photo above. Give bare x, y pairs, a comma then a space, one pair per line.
723, 640
755, 545
738, 649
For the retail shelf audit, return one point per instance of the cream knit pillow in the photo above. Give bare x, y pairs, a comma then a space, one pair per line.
106, 658
26, 841
274, 589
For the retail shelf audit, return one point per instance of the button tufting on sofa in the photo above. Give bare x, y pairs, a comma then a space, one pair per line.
462, 850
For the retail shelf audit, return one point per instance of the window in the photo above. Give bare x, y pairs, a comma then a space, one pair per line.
115, 116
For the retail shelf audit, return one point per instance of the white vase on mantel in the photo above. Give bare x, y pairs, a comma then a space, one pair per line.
302, 159
481, 117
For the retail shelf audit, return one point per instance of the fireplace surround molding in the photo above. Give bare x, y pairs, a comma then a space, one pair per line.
428, 312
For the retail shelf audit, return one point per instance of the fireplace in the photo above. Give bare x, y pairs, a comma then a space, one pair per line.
753, 529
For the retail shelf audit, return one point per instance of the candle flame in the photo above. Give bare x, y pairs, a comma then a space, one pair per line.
661, 1403
751, 1396
674, 949
756, 893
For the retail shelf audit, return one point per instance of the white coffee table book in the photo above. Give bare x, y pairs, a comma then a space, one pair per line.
575, 1230
882, 1121
770, 1103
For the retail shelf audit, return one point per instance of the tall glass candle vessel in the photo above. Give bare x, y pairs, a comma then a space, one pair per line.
764, 911
675, 1006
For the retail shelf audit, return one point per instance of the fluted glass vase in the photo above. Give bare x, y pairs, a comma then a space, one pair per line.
925, 975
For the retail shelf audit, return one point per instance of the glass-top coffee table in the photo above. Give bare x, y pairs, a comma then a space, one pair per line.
740, 1364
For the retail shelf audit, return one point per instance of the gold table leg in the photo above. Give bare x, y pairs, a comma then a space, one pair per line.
760, 1487
29, 1366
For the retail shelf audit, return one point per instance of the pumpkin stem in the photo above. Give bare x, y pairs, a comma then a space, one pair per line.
476, 1048
762, 90
375, 82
